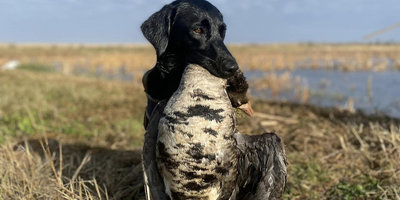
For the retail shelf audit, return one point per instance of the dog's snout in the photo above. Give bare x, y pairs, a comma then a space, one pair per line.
232, 69
229, 67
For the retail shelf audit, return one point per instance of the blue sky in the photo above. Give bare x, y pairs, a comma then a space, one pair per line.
249, 21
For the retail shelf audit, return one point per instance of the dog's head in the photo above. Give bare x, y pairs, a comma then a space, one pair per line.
194, 28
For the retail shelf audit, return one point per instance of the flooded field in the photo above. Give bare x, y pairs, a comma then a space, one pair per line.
371, 92
353, 76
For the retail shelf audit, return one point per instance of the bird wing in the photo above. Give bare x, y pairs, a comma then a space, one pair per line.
153, 182
261, 166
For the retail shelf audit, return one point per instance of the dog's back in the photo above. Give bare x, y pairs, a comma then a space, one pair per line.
195, 150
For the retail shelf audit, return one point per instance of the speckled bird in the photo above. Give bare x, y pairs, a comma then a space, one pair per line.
192, 149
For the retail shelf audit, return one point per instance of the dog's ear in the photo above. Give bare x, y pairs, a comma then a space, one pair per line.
156, 29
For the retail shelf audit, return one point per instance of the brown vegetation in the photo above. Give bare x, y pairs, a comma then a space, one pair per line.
356, 57
94, 132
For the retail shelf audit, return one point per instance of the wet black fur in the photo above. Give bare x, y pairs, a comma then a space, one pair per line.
172, 33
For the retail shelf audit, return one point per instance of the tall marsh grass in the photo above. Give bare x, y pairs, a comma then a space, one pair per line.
353, 57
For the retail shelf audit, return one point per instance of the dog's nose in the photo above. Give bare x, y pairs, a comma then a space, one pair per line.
232, 69
229, 67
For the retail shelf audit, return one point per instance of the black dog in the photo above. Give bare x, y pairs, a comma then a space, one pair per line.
183, 32
192, 32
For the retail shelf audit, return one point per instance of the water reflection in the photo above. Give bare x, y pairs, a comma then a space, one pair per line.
369, 91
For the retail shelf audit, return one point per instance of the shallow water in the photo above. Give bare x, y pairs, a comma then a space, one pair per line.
335, 88
331, 88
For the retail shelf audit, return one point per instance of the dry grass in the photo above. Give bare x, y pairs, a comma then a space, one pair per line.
334, 154
42, 169
77, 107
94, 127
94, 130
275, 83
67, 58
355, 57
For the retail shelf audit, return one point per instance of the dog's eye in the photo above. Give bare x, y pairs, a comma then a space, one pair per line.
198, 30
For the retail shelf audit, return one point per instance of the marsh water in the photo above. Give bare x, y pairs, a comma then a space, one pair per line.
371, 92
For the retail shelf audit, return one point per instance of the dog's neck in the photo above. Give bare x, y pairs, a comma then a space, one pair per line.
165, 77
171, 63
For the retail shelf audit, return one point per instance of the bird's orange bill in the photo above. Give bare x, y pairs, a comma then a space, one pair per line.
246, 108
